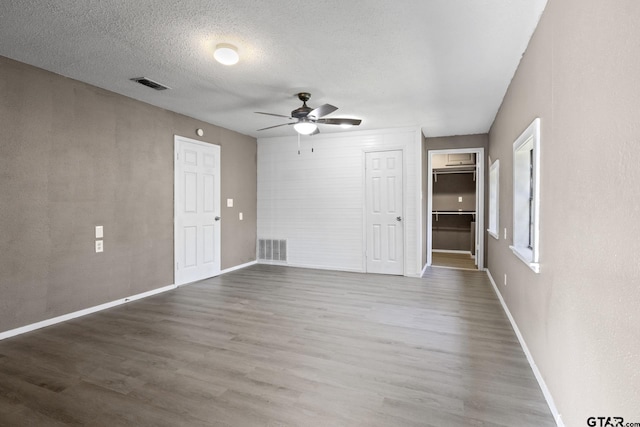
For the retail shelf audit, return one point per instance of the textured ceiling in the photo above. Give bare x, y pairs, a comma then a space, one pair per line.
443, 65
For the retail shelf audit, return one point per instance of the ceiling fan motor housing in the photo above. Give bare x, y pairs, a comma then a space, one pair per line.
303, 111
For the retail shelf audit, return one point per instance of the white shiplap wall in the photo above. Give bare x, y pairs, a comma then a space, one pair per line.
316, 200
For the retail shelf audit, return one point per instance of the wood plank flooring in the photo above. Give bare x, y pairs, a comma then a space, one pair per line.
453, 260
277, 346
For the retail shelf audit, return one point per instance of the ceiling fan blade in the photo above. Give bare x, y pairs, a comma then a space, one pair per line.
276, 126
315, 132
338, 121
271, 114
322, 111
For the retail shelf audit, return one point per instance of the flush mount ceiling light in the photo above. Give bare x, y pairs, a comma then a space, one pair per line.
226, 54
305, 128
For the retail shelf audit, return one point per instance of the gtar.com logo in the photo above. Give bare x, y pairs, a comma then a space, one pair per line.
605, 422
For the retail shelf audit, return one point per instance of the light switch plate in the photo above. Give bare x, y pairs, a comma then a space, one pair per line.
460, 199
240, 216
99, 231
99, 246
229, 203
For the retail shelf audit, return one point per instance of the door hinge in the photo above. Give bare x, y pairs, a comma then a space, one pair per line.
178, 156
177, 266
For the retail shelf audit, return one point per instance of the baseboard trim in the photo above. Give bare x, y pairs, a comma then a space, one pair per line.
543, 386
238, 267
424, 270
451, 251
83, 312
44, 323
273, 262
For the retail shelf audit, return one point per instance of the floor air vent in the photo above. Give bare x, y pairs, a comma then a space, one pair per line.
150, 83
272, 250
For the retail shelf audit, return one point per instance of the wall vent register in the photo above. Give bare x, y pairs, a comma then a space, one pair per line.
150, 83
272, 250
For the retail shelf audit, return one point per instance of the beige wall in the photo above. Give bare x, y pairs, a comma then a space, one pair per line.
580, 317
457, 142
73, 156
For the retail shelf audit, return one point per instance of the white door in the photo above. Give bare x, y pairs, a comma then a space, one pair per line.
385, 234
197, 210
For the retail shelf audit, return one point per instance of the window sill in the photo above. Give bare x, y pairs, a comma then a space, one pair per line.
493, 234
526, 258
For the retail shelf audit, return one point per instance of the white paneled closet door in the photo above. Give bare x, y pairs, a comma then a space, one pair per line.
197, 210
384, 220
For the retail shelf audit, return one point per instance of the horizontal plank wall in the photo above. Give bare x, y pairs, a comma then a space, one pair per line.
315, 200
73, 156
580, 316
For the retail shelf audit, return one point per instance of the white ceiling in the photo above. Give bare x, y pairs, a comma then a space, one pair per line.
443, 65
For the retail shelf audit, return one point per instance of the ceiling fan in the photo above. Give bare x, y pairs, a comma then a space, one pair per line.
307, 118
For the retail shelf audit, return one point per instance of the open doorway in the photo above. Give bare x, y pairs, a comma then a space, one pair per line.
455, 208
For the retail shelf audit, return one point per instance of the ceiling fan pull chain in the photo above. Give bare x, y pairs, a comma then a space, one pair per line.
298, 144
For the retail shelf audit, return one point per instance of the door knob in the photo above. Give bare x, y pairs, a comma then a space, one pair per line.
398, 218
217, 218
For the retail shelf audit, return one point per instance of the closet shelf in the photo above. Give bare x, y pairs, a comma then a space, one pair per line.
437, 213
455, 229
454, 170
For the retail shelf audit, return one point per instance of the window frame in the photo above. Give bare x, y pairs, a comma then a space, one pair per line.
494, 200
526, 196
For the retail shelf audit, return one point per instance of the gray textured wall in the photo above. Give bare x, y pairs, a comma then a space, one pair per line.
73, 156
580, 316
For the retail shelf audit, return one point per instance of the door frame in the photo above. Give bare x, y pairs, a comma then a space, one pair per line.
480, 166
177, 140
400, 148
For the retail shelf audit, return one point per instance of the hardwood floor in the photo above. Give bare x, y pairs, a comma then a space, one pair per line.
277, 346
453, 260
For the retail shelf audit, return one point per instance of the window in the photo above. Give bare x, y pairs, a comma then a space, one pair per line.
494, 186
526, 195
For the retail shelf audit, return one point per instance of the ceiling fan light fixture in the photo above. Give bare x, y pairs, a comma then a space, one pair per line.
305, 128
226, 54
